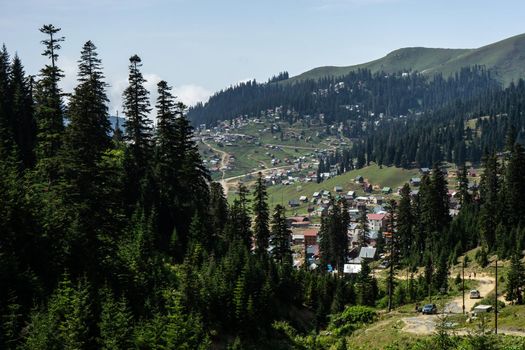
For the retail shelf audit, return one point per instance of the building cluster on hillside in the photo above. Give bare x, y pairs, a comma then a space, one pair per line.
305, 234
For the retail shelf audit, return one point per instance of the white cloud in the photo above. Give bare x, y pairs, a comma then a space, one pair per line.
191, 94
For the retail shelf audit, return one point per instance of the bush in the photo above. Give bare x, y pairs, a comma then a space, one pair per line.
352, 318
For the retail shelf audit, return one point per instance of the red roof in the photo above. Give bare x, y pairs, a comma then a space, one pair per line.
375, 216
311, 232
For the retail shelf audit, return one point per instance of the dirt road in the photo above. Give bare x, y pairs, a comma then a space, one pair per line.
228, 182
426, 324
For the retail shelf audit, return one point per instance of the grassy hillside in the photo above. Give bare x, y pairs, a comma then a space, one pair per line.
387, 176
506, 58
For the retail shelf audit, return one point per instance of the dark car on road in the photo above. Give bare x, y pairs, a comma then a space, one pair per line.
429, 309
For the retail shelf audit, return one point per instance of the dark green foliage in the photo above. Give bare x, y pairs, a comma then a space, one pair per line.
261, 213
116, 323
405, 223
333, 235
280, 237
49, 109
138, 133
515, 280
352, 318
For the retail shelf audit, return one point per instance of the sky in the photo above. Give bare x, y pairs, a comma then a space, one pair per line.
202, 46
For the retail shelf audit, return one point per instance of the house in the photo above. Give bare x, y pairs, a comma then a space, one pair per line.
472, 172
386, 190
352, 269
293, 203
350, 195
338, 189
310, 236
367, 187
359, 179
376, 221
303, 199
297, 239
354, 214
415, 181
424, 171
367, 253
298, 221
316, 195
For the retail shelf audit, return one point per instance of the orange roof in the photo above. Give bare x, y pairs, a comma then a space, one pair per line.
311, 232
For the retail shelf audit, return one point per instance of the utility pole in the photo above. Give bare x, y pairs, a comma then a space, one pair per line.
463, 280
496, 300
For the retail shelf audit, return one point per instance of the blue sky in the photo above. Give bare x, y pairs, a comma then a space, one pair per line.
201, 46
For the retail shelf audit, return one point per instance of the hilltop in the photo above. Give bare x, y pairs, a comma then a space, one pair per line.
505, 58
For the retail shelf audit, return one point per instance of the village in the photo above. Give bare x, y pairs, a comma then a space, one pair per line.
305, 228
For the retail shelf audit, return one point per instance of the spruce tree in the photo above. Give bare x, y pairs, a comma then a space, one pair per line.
138, 132
465, 197
515, 280
90, 197
49, 109
6, 124
261, 214
363, 228
405, 221
23, 122
280, 236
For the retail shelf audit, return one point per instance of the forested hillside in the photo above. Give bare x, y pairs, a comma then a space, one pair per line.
360, 96
123, 242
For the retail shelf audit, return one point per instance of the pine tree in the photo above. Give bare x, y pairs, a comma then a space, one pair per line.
6, 132
363, 228
192, 176
490, 187
280, 237
465, 197
116, 323
515, 280
515, 185
405, 221
138, 132
261, 214
89, 196
365, 286
49, 109
218, 207
24, 125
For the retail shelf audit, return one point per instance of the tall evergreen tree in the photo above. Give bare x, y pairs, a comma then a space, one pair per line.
405, 222
49, 109
261, 214
23, 122
89, 198
138, 132
465, 197
363, 228
280, 236
6, 131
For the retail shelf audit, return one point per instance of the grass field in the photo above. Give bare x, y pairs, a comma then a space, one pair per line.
386, 176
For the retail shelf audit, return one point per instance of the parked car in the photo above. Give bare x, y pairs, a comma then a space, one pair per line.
474, 294
429, 309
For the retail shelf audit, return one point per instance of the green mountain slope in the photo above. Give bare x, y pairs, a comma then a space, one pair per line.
506, 58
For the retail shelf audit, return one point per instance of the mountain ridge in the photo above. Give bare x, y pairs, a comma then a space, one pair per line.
506, 58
